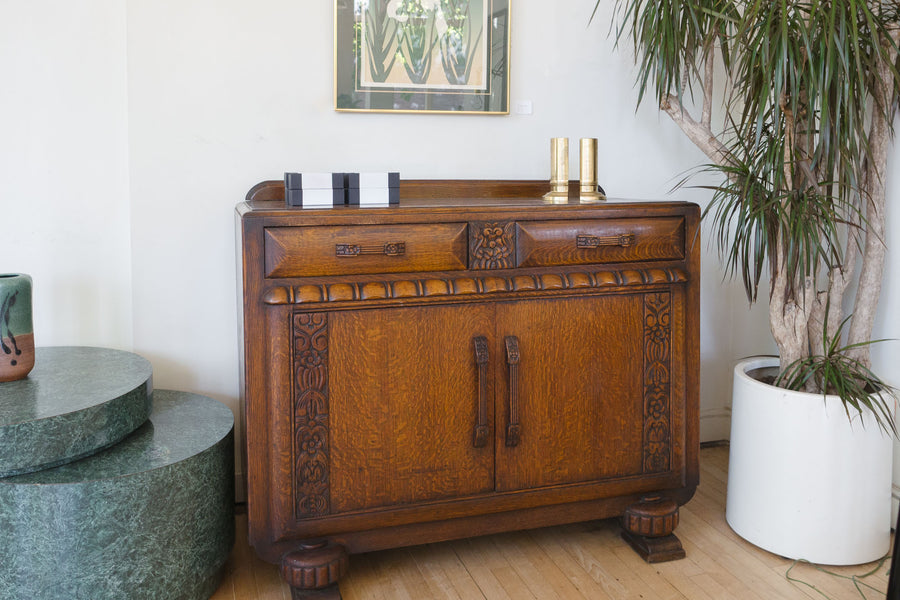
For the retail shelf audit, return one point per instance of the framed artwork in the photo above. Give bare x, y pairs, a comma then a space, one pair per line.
423, 56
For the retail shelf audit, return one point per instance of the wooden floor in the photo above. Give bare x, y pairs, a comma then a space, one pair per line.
587, 561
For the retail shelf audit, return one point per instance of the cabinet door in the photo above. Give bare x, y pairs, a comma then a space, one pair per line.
405, 388
578, 387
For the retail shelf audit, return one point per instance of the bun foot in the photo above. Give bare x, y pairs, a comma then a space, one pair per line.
313, 570
648, 526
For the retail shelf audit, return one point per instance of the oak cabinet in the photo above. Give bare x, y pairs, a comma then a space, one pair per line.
403, 395
472, 361
580, 409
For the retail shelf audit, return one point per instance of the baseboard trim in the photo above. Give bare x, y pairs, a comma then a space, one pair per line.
715, 424
240, 494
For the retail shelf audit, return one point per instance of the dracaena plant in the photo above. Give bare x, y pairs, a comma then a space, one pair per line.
805, 92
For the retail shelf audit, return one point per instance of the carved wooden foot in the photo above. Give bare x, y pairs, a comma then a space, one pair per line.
313, 570
648, 527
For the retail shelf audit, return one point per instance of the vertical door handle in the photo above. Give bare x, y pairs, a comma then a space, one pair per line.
480, 436
513, 433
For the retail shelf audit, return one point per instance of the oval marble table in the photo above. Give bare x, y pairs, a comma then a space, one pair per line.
150, 517
76, 401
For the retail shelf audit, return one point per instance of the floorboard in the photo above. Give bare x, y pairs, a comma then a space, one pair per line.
585, 561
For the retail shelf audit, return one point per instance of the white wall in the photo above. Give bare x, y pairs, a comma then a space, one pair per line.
225, 94
130, 130
64, 201
886, 354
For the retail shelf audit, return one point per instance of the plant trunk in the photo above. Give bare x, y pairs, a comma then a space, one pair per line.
789, 323
698, 132
792, 299
788, 314
874, 250
827, 311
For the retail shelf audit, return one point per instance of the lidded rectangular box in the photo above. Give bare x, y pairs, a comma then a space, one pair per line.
314, 190
373, 189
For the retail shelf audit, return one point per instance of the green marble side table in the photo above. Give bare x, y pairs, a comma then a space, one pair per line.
151, 517
76, 401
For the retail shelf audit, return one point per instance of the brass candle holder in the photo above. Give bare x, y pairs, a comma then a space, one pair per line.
588, 189
559, 171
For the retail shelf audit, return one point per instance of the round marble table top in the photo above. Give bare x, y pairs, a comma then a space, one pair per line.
181, 426
152, 516
76, 401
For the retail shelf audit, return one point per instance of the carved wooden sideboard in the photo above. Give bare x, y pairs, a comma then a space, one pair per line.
469, 362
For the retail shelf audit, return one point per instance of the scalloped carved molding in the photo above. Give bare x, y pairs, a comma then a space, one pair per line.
467, 285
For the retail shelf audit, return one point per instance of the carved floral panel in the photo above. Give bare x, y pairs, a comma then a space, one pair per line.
657, 382
310, 414
492, 245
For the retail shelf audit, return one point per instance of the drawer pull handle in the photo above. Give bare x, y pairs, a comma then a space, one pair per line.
513, 432
386, 249
479, 439
595, 241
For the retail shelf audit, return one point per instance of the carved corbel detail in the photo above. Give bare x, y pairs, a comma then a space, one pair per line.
492, 245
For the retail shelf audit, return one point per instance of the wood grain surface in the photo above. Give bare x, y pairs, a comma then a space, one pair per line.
586, 561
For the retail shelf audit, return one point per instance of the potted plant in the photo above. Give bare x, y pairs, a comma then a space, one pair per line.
800, 145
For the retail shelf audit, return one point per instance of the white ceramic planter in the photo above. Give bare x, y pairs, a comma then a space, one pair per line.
805, 482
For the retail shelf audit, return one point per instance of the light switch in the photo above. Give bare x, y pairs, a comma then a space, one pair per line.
524, 107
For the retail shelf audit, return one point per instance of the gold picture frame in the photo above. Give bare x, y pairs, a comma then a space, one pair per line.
422, 56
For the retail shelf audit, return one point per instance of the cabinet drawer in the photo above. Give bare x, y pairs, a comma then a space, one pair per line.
355, 250
549, 243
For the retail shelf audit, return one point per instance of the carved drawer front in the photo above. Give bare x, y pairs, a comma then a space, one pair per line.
355, 250
551, 243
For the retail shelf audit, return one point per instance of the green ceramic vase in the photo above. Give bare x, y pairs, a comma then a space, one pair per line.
16, 329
